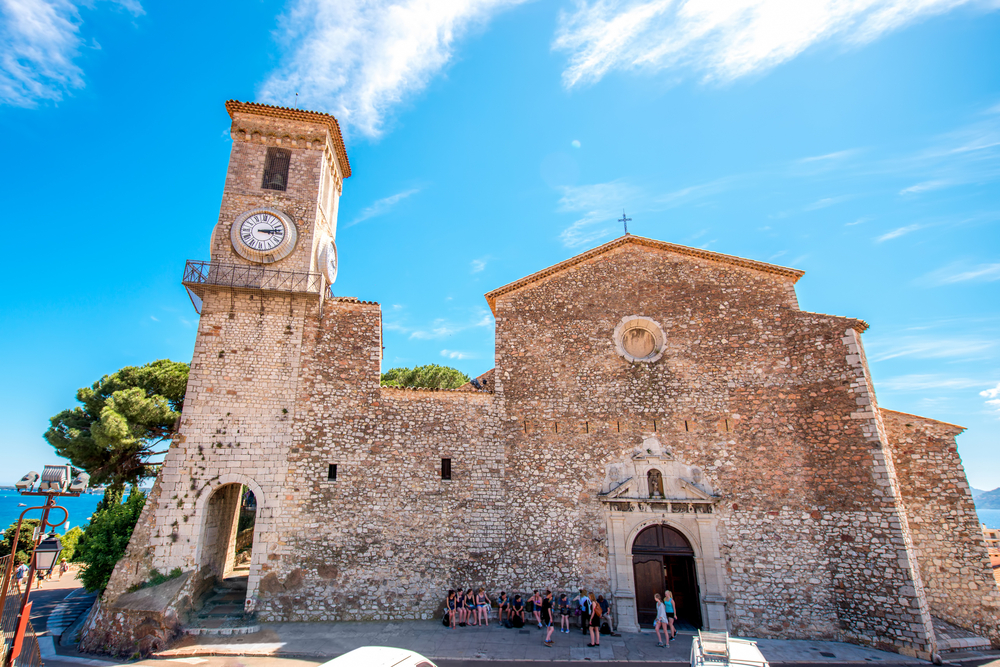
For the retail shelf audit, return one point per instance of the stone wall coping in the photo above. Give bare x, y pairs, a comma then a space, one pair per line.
285, 113
628, 239
858, 325
924, 419
429, 390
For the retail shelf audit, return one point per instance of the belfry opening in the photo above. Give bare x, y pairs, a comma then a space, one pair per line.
663, 560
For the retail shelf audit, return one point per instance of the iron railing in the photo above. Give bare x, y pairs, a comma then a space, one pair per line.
249, 277
29, 655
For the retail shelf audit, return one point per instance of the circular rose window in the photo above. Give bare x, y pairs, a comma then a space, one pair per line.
639, 338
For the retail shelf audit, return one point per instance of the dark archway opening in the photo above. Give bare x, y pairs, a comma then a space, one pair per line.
663, 560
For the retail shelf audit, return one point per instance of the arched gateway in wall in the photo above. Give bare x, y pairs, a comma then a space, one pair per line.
663, 560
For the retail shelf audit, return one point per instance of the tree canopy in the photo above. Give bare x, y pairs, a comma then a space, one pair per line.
431, 375
124, 417
23, 541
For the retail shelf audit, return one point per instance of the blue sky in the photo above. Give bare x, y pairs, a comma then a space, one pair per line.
857, 141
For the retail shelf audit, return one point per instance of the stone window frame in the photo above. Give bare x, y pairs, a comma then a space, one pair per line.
630, 322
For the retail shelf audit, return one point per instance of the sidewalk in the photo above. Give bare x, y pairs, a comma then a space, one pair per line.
430, 638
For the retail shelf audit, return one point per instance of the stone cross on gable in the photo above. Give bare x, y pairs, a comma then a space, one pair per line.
625, 221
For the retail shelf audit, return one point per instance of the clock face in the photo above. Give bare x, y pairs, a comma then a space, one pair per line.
262, 231
328, 260
263, 235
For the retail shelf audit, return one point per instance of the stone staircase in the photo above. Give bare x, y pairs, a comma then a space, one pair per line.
222, 612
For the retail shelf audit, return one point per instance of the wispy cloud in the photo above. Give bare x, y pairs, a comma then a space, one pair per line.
455, 354
439, 331
478, 264
931, 348
359, 59
926, 383
960, 273
39, 39
599, 205
896, 233
825, 202
721, 40
829, 157
923, 187
382, 206
443, 327
992, 397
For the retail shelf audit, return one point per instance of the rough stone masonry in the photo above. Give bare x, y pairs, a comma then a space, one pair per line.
638, 387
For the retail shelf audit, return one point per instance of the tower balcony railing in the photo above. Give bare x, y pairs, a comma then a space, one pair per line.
199, 275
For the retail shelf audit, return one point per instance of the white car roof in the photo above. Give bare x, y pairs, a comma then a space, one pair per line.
376, 656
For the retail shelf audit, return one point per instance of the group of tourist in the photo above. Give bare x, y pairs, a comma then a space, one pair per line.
541, 608
473, 608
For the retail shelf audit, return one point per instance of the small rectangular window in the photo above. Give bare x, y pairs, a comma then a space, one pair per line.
331, 473
445, 468
276, 169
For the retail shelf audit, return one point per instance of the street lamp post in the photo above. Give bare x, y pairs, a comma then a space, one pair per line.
55, 481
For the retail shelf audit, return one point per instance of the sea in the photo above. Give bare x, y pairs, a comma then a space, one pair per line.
81, 507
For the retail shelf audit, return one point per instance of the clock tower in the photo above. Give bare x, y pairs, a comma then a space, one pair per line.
279, 204
261, 297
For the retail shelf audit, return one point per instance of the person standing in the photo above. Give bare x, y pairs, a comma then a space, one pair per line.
451, 605
547, 617
668, 603
19, 574
483, 606
595, 622
564, 613
661, 622
583, 608
63, 568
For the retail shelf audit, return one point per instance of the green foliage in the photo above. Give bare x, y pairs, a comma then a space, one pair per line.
23, 541
156, 578
123, 418
70, 541
431, 375
105, 539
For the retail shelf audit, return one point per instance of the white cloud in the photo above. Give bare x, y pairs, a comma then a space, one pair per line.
38, 41
600, 205
382, 206
358, 59
923, 187
826, 201
723, 39
455, 354
962, 273
896, 233
478, 264
838, 155
857, 222
440, 331
926, 382
932, 348
993, 398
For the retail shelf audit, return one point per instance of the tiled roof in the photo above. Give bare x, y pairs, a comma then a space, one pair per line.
232, 106
794, 274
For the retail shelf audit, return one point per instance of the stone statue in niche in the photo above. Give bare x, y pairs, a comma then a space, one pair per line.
655, 482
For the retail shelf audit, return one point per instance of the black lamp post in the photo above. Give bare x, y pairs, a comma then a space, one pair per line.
54, 481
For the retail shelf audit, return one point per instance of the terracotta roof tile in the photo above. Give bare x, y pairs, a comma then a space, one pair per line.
233, 106
794, 274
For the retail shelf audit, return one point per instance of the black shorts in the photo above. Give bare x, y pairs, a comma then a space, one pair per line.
670, 614
595, 622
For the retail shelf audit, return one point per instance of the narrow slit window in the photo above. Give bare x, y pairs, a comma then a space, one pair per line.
276, 169
445, 468
331, 472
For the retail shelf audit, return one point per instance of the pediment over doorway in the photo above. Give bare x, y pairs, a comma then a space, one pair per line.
652, 479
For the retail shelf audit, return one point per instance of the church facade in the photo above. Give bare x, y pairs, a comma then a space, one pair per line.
659, 417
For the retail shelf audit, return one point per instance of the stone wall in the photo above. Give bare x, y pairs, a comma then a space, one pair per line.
946, 533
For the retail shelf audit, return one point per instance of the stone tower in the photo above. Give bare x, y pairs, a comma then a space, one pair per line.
273, 257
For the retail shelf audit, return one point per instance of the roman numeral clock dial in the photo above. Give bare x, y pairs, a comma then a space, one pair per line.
263, 235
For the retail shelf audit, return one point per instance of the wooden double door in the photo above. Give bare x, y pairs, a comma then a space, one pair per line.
662, 560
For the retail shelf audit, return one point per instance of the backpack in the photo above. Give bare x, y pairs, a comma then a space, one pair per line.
445, 620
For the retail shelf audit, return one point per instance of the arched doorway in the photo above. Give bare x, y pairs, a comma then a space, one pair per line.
662, 559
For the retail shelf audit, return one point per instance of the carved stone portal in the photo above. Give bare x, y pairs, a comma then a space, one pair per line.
651, 487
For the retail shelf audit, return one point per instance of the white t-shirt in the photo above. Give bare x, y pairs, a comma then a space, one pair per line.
661, 612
